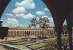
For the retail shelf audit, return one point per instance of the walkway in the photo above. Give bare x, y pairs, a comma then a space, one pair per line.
16, 38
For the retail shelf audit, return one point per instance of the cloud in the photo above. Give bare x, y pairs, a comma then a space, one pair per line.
18, 25
46, 9
17, 15
51, 21
19, 10
4, 25
28, 4
40, 12
21, 25
20, 15
12, 21
28, 16
37, 18
9, 14
44, 16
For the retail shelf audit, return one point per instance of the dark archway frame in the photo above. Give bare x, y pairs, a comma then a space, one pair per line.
3, 30
60, 10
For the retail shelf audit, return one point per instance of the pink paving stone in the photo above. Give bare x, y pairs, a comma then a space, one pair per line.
9, 39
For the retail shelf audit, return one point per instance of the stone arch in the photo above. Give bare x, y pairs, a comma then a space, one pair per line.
29, 32
15, 33
20, 33
51, 4
23, 33
8, 34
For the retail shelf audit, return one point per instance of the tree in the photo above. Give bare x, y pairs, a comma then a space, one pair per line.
44, 24
34, 22
29, 26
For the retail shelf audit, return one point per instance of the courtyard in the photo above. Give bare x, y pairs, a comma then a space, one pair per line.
25, 44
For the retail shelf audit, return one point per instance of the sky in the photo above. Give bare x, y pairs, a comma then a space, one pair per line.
20, 12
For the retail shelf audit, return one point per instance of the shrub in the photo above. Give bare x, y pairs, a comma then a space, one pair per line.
65, 39
51, 44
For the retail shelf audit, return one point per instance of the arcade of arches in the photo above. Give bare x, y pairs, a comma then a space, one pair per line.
15, 33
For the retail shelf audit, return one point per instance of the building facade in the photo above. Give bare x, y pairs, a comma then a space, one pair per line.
15, 33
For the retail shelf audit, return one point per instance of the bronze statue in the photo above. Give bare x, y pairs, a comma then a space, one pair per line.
61, 10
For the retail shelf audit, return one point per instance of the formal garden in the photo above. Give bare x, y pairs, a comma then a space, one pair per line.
30, 44
25, 43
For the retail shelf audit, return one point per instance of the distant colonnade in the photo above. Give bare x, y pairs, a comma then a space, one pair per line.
15, 33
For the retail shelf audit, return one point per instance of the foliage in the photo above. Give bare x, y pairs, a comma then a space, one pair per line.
65, 39
29, 26
33, 22
43, 22
51, 44
65, 27
52, 35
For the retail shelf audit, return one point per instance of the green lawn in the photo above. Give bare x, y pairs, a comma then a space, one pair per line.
16, 41
4, 42
25, 42
36, 46
20, 47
